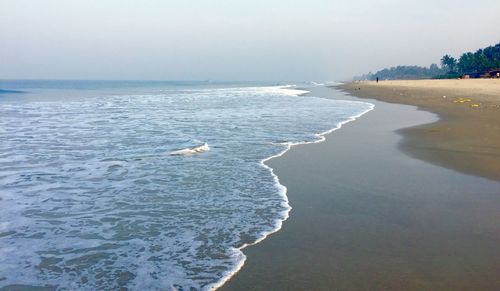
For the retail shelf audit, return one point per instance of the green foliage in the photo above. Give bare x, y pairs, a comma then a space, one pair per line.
404, 72
469, 63
480, 61
449, 63
450, 75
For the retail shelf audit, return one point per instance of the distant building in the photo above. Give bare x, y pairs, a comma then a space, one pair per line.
495, 73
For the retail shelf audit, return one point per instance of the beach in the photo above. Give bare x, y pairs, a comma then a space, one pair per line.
368, 216
466, 137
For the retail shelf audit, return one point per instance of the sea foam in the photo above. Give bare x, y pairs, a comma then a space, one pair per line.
89, 200
191, 151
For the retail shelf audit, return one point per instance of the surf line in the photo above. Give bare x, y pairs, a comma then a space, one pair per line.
282, 189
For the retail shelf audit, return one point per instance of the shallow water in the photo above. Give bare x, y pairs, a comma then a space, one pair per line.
90, 197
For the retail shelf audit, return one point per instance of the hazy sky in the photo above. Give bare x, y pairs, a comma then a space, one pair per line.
235, 40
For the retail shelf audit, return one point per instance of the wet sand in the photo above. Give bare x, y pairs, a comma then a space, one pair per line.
467, 136
366, 216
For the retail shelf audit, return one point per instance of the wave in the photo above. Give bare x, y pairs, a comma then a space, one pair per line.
191, 151
288, 90
125, 154
4, 91
238, 252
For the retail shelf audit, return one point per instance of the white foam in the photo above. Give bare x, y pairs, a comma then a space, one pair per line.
161, 216
191, 151
288, 90
282, 192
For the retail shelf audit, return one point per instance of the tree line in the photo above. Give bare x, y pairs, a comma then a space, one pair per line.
469, 63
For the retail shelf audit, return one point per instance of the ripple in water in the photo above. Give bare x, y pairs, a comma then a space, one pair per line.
91, 198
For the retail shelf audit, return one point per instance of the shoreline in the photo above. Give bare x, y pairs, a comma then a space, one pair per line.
289, 259
466, 137
321, 137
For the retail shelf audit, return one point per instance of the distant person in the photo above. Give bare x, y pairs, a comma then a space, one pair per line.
377, 79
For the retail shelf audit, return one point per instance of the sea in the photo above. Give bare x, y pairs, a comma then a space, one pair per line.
146, 185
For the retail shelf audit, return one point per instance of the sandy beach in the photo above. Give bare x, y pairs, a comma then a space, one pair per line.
367, 216
467, 136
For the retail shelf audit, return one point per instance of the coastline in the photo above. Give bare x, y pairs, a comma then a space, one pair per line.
466, 138
322, 249
320, 137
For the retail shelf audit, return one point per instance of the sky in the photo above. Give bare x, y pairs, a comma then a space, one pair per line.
255, 40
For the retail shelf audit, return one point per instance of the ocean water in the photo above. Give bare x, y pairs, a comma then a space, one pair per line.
92, 198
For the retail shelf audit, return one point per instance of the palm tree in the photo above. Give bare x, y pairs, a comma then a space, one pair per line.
449, 62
